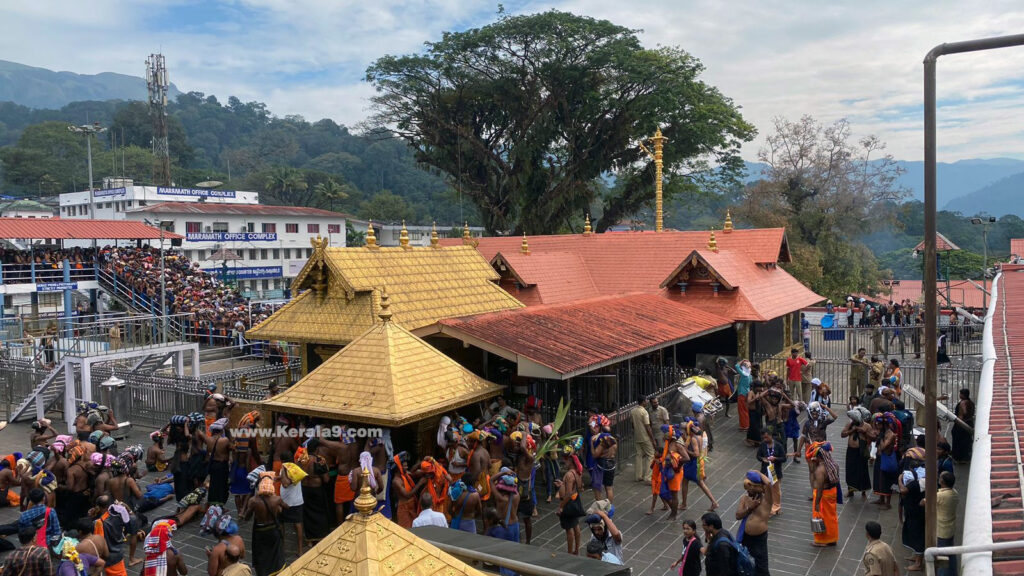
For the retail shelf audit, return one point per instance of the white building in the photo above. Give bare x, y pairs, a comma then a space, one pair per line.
389, 234
272, 243
25, 208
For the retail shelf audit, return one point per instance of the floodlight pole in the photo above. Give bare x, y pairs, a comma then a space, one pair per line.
930, 298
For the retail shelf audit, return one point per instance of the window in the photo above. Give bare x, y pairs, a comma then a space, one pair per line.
276, 254
220, 227
142, 202
266, 284
200, 255
269, 228
291, 228
334, 228
313, 228
250, 226
287, 253
263, 254
167, 225
252, 254
309, 252
193, 227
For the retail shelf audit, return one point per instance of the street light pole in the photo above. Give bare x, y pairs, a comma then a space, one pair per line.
89, 130
163, 285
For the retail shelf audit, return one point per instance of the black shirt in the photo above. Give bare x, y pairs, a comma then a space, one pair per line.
721, 557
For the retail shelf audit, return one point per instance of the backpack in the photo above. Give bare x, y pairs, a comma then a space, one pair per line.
745, 565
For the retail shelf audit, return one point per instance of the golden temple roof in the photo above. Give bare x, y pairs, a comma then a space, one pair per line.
426, 284
368, 544
385, 377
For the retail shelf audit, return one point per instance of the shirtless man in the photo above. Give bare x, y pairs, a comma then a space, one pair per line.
89, 542
506, 500
215, 406
220, 447
692, 470
76, 499
42, 433
122, 488
406, 490
345, 454
526, 475
82, 427
479, 465
227, 536
776, 405
156, 459
468, 506
8, 479
267, 538
754, 510
605, 450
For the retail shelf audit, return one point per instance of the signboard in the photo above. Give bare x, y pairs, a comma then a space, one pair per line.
248, 272
295, 266
109, 192
56, 286
196, 192
231, 236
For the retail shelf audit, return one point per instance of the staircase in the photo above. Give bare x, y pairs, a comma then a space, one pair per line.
120, 292
50, 390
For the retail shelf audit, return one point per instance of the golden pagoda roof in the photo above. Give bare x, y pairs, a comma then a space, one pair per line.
385, 377
368, 544
426, 284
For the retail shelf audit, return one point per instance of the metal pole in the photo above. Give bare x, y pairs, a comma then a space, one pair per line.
984, 268
930, 271
163, 286
88, 147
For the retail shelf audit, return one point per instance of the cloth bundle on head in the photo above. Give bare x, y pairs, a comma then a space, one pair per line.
157, 435
697, 406
265, 484
38, 456
753, 479
74, 453
48, 482
227, 525
825, 390
105, 443
121, 510
193, 498
294, 471
179, 419
823, 450
501, 424
799, 406
442, 432
366, 463
95, 436
155, 548
856, 414
915, 453
249, 419
254, 476
219, 425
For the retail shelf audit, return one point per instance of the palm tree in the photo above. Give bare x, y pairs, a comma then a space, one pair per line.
331, 190
283, 181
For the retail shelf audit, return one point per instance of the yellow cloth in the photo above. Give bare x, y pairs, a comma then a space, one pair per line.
294, 472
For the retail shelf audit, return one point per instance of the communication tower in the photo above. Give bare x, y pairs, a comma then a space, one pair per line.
156, 81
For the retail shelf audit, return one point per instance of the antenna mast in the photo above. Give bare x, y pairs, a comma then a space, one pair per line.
156, 81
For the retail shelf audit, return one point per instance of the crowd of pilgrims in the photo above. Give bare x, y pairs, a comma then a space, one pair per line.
84, 507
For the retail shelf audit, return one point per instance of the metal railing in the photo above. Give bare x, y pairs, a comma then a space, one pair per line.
46, 272
836, 373
961, 340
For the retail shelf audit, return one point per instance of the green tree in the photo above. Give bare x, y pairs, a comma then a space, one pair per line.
285, 185
331, 191
828, 192
354, 237
385, 206
526, 113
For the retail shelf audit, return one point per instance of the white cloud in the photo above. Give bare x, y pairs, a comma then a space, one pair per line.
858, 60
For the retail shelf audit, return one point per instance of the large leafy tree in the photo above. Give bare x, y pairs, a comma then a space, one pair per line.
828, 191
525, 115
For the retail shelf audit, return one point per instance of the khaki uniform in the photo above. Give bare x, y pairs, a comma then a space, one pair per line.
642, 443
878, 560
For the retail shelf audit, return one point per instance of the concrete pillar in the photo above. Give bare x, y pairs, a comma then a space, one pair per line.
70, 410
69, 307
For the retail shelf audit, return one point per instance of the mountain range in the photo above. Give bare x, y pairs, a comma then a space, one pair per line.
989, 186
41, 88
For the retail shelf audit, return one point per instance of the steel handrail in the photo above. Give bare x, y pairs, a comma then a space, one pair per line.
931, 554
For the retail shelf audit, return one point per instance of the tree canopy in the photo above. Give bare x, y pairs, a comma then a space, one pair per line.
526, 114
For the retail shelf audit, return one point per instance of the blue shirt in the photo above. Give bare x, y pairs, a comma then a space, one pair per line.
33, 518
742, 381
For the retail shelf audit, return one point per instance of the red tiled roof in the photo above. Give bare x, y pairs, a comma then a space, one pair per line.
580, 336
79, 229
1008, 335
942, 244
964, 293
549, 277
236, 209
563, 268
1017, 247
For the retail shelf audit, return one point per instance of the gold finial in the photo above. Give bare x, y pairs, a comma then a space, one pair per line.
433, 235
466, 237
728, 222
525, 248
586, 226
371, 240
403, 238
712, 243
365, 503
385, 305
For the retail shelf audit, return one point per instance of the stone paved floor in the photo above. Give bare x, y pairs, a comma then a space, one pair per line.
651, 543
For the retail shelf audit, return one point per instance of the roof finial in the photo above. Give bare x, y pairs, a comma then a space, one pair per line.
466, 237
586, 226
385, 305
371, 240
434, 240
525, 248
712, 243
728, 222
365, 503
403, 238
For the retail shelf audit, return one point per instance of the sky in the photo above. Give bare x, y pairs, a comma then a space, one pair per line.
775, 58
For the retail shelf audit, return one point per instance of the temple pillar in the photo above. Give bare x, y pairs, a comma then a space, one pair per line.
787, 331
